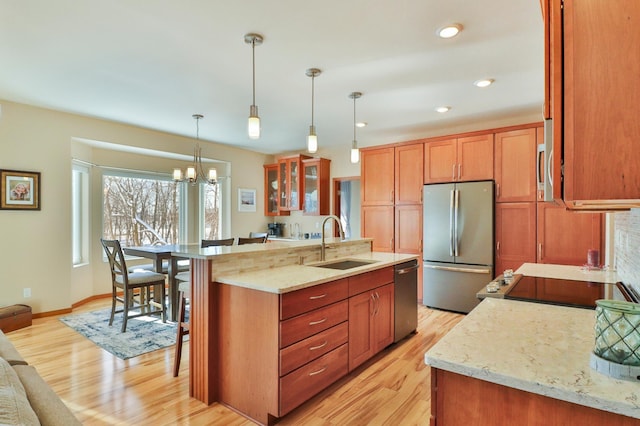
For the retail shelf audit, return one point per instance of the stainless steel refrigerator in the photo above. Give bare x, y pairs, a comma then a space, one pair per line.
457, 243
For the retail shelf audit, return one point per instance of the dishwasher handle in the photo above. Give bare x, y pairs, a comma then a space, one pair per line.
407, 270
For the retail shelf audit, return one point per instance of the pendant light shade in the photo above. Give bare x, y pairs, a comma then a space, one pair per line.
195, 172
312, 139
355, 152
253, 125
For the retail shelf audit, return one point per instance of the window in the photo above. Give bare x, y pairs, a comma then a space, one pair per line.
142, 209
210, 212
79, 214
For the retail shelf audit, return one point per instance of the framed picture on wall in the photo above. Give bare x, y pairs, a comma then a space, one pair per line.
246, 200
19, 190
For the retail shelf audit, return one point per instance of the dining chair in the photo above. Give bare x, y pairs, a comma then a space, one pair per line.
184, 289
133, 284
253, 240
213, 243
258, 234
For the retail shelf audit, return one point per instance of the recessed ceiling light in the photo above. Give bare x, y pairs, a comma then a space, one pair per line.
443, 108
449, 31
361, 124
484, 82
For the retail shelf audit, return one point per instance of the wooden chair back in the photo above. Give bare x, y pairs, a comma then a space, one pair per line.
214, 243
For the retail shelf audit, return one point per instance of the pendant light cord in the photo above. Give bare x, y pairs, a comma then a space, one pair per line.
253, 58
313, 77
354, 118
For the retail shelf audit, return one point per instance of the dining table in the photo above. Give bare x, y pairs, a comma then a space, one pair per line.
159, 254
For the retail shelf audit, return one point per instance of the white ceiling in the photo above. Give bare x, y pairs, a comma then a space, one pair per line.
154, 63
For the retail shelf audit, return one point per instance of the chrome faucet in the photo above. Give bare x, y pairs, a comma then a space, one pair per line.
323, 246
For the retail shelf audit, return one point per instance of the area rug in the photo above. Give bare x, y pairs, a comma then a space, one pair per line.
144, 334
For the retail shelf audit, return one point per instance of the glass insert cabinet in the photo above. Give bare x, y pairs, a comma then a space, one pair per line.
297, 183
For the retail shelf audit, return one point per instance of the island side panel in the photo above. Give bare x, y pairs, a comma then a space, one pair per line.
248, 324
463, 400
202, 334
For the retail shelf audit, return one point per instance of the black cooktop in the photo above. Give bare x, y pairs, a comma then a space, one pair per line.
581, 294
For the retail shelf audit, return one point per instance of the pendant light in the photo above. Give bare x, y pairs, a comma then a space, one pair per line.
195, 172
355, 152
312, 139
253, 126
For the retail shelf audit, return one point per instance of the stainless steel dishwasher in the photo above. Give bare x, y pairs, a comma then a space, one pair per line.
406, 299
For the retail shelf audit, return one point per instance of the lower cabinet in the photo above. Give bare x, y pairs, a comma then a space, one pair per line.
462, 400
370, 324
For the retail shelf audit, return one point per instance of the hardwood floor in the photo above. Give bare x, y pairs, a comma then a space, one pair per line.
391, 389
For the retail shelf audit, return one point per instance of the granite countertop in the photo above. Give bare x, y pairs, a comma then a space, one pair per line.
545, 270
538, 348
295, 277
194, 251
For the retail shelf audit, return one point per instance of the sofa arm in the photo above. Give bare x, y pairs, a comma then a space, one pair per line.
9, 352
45, 402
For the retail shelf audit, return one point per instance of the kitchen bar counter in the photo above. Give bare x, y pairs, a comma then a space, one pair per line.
243, 286
537, 348
295, 277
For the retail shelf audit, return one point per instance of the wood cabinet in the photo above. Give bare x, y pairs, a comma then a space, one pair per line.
377, 222
316, 186
408, 174
408, 229
592, 89
462, 400
290, 183
515, 235
564, 236
461, 159
377, 176
515, 163
271, 193
371, 315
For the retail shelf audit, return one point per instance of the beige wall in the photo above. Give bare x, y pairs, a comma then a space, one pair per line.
36, 245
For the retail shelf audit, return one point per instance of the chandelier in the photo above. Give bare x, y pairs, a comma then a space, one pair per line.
355, 152
253, 125
195, 173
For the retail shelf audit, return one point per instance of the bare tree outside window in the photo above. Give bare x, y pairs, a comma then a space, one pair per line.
140, 211
211, 212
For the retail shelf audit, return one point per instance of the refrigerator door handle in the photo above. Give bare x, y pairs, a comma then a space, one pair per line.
454, 269
451, 224
455, 222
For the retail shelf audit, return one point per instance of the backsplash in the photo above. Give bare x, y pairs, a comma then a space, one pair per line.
627, 246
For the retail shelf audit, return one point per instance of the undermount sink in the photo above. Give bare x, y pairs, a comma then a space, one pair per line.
345, 264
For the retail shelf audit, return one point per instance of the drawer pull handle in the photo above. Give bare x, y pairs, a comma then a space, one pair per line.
315, 348
317, 322
317, 297
313, 373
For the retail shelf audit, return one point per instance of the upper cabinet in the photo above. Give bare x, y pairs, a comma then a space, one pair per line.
271, 190
408, 174
290, 182
592, 88
515, 171
377, 176
316, 186
462, 159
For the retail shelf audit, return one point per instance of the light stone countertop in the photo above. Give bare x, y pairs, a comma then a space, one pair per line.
295, 277
194, 251
534, 347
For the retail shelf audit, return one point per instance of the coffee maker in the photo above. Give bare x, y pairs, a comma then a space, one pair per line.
275, 229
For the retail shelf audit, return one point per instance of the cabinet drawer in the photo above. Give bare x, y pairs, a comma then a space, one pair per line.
312, 347
370, 280
307, 299
297, 328
303, 383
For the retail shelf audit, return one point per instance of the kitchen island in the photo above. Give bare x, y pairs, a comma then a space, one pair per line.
511, 362
269, 327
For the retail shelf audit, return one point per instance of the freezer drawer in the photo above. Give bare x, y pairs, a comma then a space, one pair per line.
453, 287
